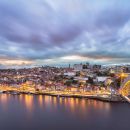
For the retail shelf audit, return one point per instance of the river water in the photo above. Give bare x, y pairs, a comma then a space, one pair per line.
28, 112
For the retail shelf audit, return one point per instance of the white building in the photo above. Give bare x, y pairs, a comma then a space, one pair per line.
69, 74
102, 79
78, 67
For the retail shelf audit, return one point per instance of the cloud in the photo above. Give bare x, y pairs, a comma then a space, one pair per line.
40, 30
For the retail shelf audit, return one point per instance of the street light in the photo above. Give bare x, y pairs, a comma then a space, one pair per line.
123, 75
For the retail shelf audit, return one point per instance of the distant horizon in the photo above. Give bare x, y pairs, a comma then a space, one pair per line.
60, 65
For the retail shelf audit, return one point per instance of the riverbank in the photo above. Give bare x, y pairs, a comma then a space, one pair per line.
102, 97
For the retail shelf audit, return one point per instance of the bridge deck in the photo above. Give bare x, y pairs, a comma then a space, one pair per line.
127, 99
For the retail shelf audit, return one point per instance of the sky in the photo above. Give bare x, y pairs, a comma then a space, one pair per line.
59, 32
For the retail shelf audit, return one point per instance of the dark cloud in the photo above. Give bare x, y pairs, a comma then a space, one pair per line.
40, 30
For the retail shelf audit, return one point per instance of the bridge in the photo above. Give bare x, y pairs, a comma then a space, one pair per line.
125, 89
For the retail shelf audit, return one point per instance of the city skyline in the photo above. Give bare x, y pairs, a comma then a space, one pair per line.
62, 32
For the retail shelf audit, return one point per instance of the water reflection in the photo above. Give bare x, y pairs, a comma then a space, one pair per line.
33, 111
40, 100
4, 100
47, 100
28, 99
54, 101
83, 107
75, 106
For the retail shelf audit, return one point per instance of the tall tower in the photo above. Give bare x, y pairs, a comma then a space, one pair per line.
69, 65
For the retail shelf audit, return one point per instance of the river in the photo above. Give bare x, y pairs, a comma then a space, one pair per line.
37, 112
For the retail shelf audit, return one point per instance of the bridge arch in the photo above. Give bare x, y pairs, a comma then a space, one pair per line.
125, 87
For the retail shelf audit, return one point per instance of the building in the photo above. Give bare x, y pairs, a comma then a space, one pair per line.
78, 67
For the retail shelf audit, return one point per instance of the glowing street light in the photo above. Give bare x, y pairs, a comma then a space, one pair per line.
123, 75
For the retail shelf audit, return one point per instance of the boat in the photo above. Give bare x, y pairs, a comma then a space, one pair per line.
1, 91
14, 93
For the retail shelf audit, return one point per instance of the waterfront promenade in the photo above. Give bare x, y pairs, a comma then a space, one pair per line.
97, 95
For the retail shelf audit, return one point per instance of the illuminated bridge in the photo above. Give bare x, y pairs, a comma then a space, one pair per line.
125, 89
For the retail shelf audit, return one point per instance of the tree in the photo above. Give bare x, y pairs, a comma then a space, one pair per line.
90, 80
68, 82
